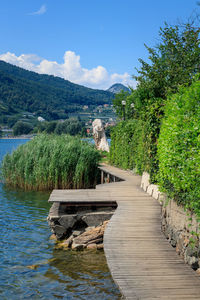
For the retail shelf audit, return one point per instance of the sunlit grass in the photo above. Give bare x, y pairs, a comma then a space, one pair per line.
52, 162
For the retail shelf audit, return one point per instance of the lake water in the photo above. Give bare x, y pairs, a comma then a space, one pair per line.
31, 266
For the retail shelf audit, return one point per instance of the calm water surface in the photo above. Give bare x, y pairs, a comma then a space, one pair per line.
30, 265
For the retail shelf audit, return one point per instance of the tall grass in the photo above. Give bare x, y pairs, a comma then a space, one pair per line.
52, 162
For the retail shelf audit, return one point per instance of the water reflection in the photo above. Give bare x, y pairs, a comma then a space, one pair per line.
84, 274
29, 200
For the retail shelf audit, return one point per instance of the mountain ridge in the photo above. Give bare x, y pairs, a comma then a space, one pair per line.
42, 94
117, 88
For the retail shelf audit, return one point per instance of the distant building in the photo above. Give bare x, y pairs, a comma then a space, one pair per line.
40, 119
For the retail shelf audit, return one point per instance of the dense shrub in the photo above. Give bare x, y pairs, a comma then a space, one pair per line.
179, 148
134, 143
127, 149
49, 162
71, 127
22, 128
174, 61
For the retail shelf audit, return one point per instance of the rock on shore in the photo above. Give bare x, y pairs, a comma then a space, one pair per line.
91, 239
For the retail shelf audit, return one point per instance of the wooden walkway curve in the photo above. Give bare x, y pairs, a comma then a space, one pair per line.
142, 262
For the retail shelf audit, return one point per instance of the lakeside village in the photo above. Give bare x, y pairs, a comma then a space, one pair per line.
32, 124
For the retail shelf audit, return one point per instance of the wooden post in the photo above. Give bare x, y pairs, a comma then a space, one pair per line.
108, 178
102, 177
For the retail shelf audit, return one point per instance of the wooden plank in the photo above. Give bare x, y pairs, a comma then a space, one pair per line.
142, 262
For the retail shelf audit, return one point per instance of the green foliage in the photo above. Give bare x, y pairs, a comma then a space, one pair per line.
107, 131
179, 148
47, 96
117, 102
127, 149
22, 128
50, 127
134, 142
173, 62
128, 109
152, 121
49, 162
71, 127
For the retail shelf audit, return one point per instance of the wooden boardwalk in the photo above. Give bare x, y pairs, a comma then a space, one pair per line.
142, 262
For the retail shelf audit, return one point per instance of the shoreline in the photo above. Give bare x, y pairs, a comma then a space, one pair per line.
80, 240
17, 138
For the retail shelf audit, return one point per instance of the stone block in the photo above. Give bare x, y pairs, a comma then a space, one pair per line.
92, 246
67, 221
77, 233
89, 228
90, 236
100, 246
59, 231
145, 181
77, 247
53, 237
150, 189
54, 210
95, 219
162, 198
97, 241
66, 243
198, 271
156, 192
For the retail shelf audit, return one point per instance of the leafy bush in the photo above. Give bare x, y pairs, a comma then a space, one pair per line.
179, 148
22, 128
49, 162
127, 149
172, 62
70, 126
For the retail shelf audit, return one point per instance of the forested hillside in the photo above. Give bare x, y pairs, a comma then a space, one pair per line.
49, 96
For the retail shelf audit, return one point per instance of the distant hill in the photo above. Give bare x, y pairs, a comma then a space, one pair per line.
44, 95
117, 88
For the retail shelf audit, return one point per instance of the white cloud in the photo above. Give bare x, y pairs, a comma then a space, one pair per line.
40, 11
70, 69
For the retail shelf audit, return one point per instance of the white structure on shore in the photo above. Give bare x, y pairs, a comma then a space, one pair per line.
41, 119
99, 135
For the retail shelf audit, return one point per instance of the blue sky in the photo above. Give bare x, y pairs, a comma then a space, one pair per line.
90, 42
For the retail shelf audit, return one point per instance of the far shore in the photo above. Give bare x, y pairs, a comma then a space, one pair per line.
20, 137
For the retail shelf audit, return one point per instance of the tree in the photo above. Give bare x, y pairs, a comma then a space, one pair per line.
22, 128
173, 62
128, 108
70, 126
50, 127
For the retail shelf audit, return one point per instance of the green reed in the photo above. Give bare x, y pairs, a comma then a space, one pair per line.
52, 162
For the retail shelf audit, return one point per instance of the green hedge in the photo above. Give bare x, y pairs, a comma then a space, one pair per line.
49, 162
134, 142
127, 150
179, 148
